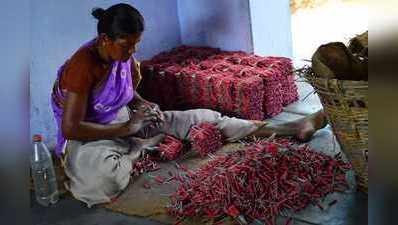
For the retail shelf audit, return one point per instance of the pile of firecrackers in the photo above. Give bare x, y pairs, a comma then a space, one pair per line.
253, 185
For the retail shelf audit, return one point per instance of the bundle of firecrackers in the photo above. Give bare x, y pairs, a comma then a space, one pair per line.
205, 138
234, 83
258, 184
171, 148
202, 139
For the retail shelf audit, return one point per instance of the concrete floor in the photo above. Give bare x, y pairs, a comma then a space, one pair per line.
351, 209
71, 212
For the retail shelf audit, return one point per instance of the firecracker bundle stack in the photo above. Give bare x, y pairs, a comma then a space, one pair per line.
234, 83
284, 68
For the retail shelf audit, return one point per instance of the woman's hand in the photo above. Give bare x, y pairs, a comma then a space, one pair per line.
138, 103
156, 109
153, 109
139, 119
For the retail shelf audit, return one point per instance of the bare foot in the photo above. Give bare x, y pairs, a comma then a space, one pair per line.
307, 126
260, 123
302, 129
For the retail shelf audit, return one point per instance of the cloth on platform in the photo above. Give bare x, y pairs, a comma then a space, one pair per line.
100, 170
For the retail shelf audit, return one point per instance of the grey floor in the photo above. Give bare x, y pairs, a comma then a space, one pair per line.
72, 212
351, 209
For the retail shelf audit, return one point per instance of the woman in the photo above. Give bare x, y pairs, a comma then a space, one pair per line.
107, 123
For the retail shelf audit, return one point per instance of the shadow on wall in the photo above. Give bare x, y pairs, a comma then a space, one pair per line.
222, 23
205, 35
218, 22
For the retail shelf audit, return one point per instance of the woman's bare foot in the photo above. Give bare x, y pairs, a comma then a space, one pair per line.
307, 126
301, 129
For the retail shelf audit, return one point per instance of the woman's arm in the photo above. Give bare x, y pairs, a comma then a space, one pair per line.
137, 101
75, 128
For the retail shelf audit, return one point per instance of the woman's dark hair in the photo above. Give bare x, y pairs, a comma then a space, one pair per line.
118, 20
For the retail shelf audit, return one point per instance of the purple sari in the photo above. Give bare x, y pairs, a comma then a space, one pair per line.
104, 102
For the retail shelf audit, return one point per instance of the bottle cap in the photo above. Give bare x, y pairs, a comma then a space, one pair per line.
37, 138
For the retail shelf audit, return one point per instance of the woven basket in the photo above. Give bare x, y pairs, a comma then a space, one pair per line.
346, 105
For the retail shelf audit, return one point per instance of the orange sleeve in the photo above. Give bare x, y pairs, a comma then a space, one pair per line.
78, 75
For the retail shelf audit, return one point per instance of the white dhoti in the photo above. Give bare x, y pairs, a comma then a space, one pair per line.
100, 170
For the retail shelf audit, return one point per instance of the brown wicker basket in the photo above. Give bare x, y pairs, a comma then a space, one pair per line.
346, 105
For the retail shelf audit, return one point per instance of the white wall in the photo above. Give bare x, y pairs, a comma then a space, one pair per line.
271, 27
333, 21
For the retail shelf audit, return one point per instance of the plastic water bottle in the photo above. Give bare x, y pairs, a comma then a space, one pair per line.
43, 173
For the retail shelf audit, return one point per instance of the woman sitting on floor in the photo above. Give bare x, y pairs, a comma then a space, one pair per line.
104, 124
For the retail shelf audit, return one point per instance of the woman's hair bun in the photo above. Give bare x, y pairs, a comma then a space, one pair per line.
98, 13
